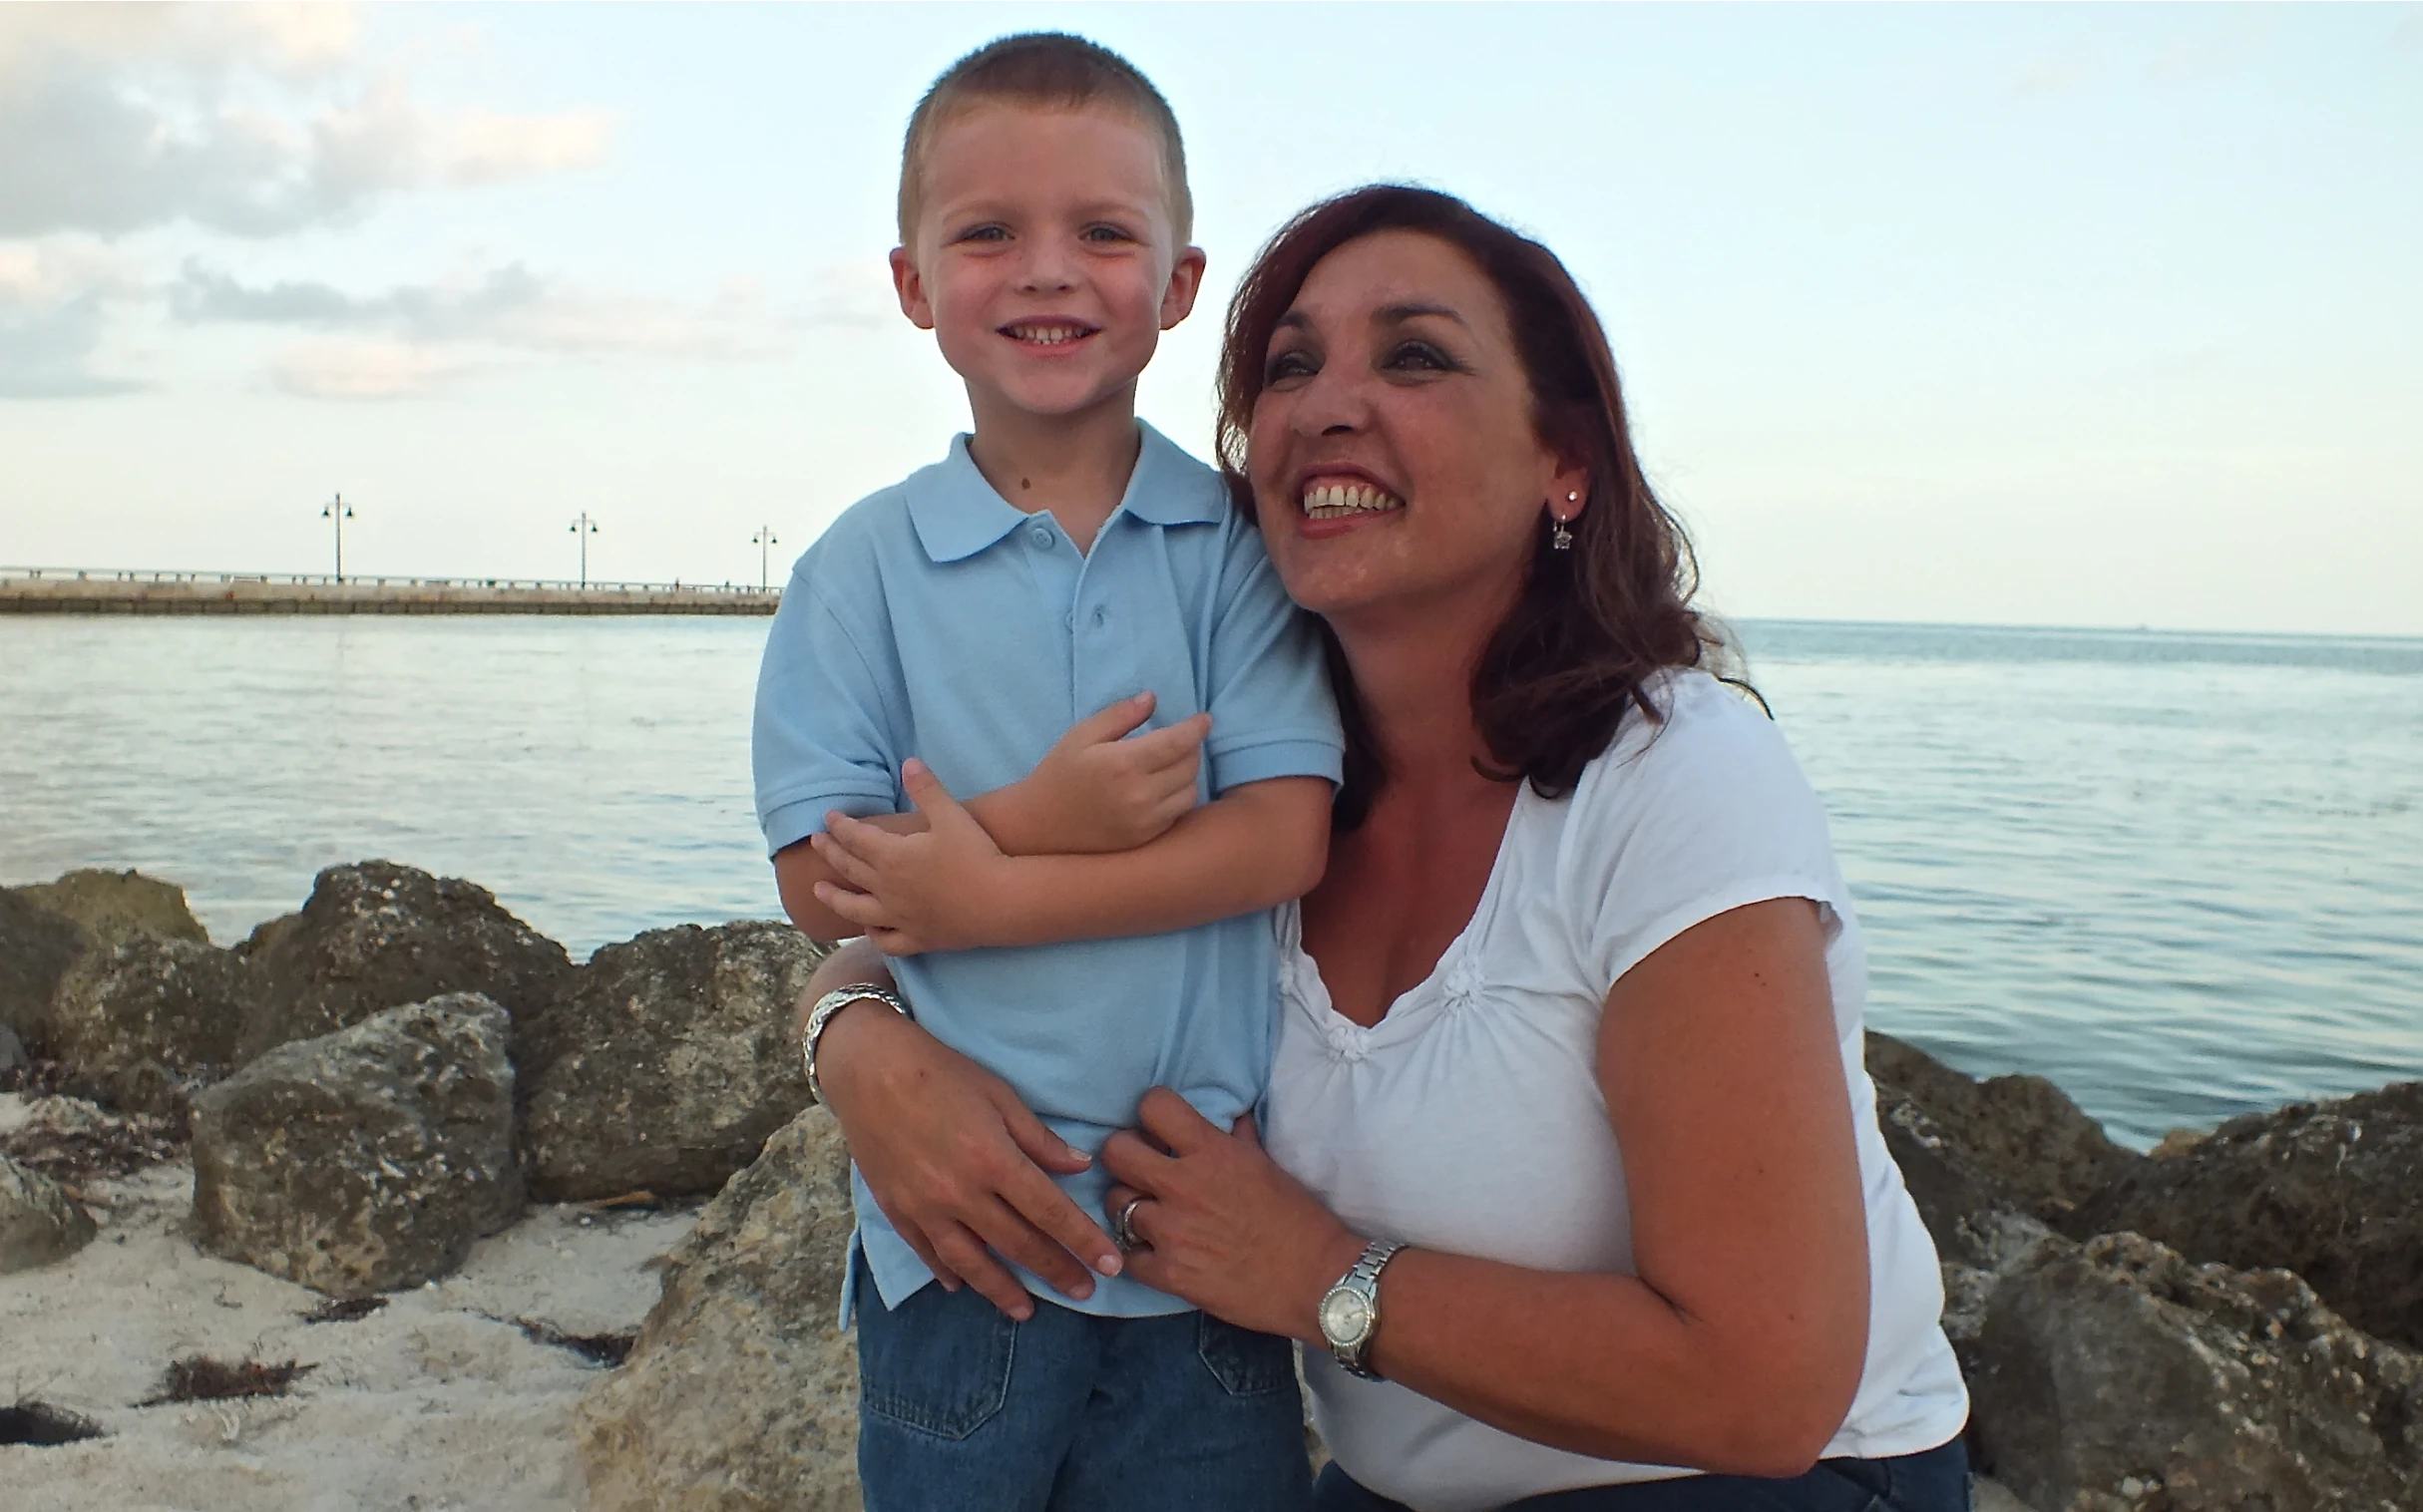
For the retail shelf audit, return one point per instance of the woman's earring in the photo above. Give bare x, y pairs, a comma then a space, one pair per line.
1560, 535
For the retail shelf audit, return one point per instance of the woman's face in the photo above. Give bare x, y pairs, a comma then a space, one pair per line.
1393, 452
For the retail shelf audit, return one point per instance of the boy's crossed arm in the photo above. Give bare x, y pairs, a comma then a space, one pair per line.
1103, 839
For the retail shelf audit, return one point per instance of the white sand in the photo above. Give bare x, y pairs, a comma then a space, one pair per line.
425, 1404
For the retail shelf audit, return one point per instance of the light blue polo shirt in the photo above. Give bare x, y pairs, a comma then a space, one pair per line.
934, 620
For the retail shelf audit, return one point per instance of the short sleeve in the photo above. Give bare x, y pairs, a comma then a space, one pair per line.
1267, 690
821, 737
1685, 819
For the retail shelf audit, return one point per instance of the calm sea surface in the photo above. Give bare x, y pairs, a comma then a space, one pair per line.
2183, 876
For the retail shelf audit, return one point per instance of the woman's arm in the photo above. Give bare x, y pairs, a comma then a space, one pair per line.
1738, 1348
956, 1161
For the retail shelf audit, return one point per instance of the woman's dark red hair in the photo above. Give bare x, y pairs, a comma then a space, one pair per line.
1594, 623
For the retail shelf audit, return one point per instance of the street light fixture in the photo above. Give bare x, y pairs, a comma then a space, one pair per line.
584, 527
766, 542
340, 511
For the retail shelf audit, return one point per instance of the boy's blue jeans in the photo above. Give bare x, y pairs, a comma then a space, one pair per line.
960, 1406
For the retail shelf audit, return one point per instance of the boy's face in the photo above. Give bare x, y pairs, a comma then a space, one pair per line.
1044, 258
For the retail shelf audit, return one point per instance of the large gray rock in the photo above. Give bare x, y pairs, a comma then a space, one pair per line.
36, 948
741, 1395
2334, 1192
146, 1018
666, 1064
115, 905
39, 1222
377, 936
366, 1160
2116, 1377
2020, 1134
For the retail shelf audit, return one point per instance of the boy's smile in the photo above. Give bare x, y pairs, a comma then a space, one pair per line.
1045, 258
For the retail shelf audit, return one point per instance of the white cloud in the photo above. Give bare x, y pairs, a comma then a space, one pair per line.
53, 318
439, 331
507, 305
363, 370
253, 120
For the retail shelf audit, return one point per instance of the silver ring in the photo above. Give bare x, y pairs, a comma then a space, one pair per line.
1124, 1224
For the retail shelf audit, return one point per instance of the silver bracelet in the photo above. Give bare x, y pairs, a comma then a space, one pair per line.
822, 1015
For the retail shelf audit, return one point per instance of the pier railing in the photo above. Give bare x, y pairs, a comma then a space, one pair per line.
367, 580
129, 591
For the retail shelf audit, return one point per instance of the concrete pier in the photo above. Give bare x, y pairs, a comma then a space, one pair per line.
56, 590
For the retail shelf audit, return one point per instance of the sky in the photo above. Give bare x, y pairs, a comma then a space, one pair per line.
2081, 315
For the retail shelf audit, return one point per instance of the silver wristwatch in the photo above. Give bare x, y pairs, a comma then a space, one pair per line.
822, 1015
1350, 1310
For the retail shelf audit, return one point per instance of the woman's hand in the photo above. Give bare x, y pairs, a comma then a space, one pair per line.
1224, 1227
954, 1160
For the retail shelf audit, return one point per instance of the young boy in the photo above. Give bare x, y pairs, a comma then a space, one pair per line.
1094, 922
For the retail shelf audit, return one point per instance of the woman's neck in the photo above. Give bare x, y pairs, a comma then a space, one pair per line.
1414, 679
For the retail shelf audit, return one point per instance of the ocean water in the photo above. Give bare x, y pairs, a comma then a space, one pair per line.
2181, 875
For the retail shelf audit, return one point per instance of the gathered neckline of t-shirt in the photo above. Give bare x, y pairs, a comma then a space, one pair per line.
1454, 979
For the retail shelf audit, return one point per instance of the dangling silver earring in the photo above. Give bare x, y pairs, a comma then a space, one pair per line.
1560, 535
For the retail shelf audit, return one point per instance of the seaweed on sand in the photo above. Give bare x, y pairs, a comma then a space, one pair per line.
198, 1377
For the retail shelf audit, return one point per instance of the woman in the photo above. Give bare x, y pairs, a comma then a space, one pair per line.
1569, 1145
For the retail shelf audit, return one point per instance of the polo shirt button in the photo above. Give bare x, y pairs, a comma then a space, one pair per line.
1101, 617
1040, 536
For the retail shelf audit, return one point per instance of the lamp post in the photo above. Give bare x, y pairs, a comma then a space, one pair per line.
584, 527
764, 542
340, 511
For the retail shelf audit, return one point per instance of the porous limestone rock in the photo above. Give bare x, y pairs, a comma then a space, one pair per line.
147, 1019
365, 1160
39, 1222
666, 1064
2118, 1376
36, 948
2332, 1191
741, 1394
2020, 1134
114, 906
1957, 1197
377, 936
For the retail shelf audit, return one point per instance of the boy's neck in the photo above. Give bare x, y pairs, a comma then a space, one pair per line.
1076, 467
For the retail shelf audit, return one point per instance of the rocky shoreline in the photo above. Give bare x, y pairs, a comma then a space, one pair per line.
405, 1100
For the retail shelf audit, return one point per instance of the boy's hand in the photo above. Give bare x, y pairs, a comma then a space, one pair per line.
1096, 791
947, 888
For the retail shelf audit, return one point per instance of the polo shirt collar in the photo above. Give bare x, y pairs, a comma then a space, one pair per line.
958, 513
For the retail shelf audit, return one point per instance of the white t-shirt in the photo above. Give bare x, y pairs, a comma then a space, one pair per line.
1470, 1119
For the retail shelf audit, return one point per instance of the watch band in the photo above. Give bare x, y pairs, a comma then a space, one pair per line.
822, 1015
1362, 1281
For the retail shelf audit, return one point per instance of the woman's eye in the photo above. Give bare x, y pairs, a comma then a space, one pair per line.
1421, 356
1285, 365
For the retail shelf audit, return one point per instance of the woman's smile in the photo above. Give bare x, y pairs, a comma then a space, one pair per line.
1344, 497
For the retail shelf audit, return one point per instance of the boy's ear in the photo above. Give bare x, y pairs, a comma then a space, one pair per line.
1186, 282
910, 284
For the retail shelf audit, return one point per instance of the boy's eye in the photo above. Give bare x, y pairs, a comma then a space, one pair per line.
986, 232
1287, 365
1106, 233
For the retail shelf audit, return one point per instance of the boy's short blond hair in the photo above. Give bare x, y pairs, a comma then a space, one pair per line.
1053, 70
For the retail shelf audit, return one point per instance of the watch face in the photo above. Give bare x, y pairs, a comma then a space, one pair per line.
1344, 1317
